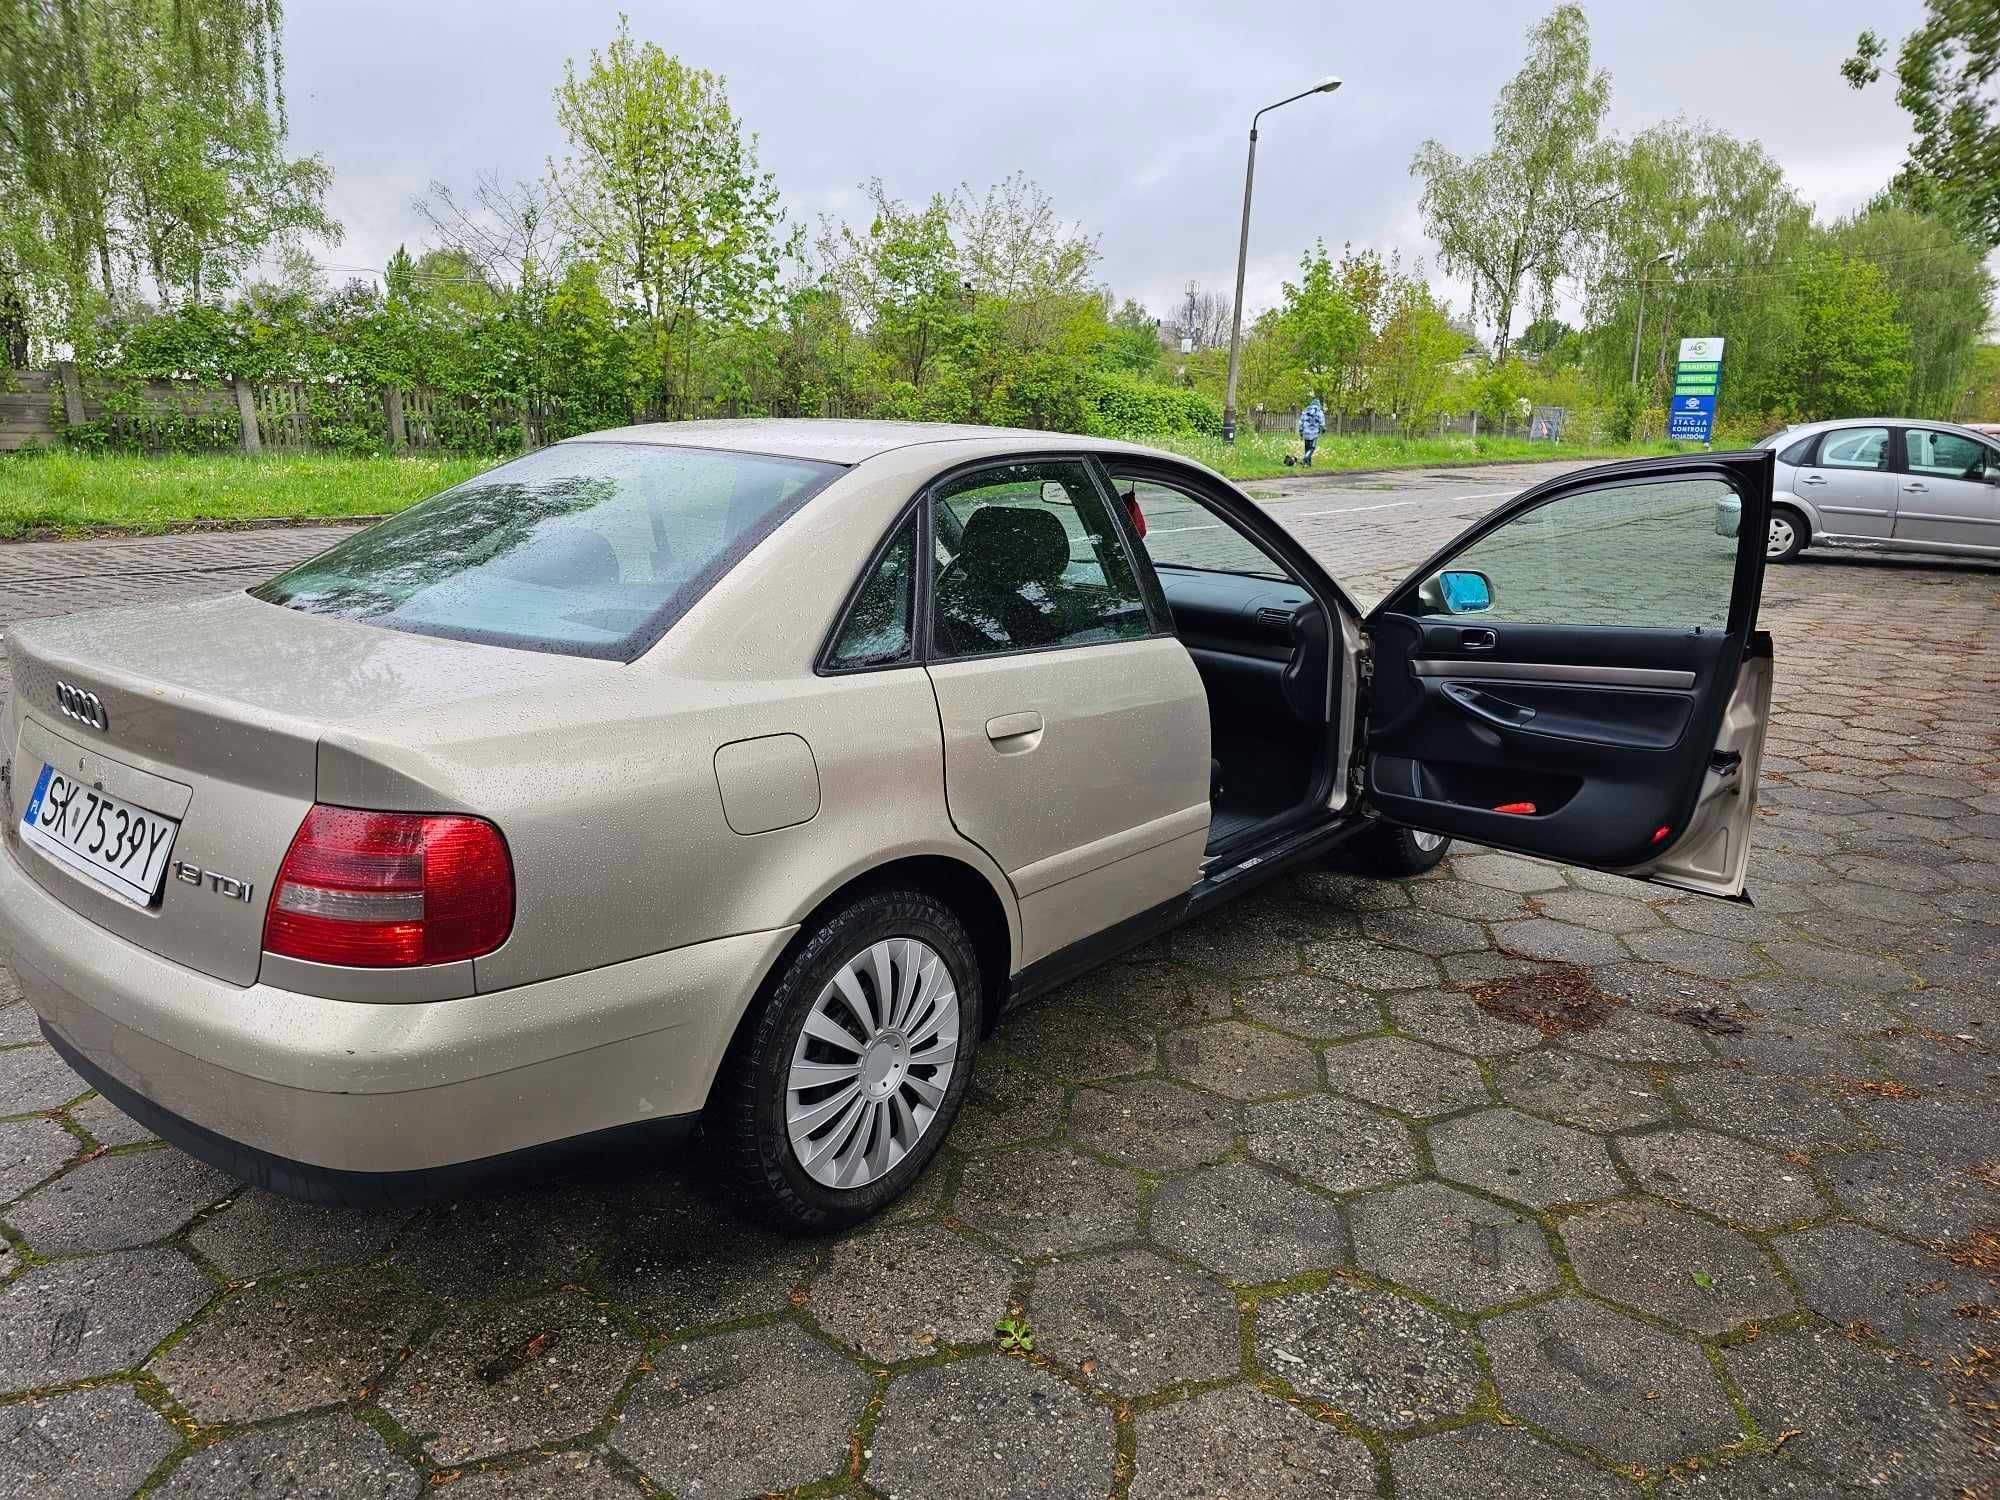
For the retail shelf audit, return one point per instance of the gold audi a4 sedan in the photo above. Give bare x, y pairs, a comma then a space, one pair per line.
742, 772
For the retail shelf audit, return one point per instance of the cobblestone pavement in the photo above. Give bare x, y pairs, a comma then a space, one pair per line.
1284, 1209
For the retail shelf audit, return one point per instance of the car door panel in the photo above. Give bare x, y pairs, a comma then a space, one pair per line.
1947, 497
1100, 813
1850, 483
1622, 746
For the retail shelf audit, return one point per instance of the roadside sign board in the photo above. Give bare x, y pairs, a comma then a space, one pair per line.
1697, 382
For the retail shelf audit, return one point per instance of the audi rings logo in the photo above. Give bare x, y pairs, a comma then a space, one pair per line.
85, 708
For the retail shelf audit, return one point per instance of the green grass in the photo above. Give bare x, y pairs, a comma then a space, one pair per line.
67, 492
1261, 455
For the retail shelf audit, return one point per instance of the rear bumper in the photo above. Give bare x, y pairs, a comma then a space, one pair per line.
345, 1087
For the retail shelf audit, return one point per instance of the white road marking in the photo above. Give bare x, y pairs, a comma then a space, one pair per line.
1166, 530
1352, 510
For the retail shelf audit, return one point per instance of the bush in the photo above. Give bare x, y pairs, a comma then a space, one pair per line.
1119, 406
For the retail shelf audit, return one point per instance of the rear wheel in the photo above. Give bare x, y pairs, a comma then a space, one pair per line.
850, 1074
1388, 850
1788, 537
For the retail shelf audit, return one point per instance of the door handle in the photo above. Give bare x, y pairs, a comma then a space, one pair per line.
1914, 488
1813, 479
1477, 640
1011, 727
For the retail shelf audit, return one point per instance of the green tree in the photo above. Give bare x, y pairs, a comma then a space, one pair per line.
1326, 331
1409, 363
1132, 343
1847, 354
901, 281
1514, 216
662, 188
1945, 72
1943, 294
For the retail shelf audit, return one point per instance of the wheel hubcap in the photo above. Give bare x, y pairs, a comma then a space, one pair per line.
872, 1065
1781, 537
1428, 843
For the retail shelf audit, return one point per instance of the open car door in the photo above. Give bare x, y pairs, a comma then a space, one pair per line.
1579, 676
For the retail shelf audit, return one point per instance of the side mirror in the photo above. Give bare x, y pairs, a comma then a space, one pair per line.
1456, 592
1054, 492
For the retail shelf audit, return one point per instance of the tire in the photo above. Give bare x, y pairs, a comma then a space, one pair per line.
1789, 536
885, 1133
1389, 851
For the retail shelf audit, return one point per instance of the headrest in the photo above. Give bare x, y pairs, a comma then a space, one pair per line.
1006, 546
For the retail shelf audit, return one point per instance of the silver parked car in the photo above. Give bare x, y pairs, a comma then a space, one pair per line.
1886, 483
745, 771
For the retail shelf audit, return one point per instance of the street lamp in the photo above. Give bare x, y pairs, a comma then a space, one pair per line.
1324, 86
1639, 323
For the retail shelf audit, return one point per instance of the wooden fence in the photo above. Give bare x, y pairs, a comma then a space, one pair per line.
39, 407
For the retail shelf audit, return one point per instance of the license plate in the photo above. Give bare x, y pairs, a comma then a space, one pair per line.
121, 847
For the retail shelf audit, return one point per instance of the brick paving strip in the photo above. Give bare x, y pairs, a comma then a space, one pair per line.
1285, 1210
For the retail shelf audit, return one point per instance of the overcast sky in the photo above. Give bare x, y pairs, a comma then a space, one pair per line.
1133, 116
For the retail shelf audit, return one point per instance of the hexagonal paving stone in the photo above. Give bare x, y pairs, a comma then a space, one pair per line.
898, 1294
82, 1445
29, 1151
1520, 1157
330, 1455
1588, 1374
1839, 966
1138, 1321
1351, 893
1722, 919
1339, 1145
1384, 1360
89, 1317
1311, 1006
1467, 1252
1486, 1462
508, 1245
1598, 911
1240, 1441
492, 1382
118, 1201
1007, 1102
1696, 953
1850, 1274
1671, 1264
689, 1263
108, 1124
1238, 944
1505, 872
1779, 1112
1951, 1129
287, 1347
1241, 1061
1795, 1051
1162, 995
1460, 898
745, 1413
1425, 932
1907, 1195
1153, 1124
1449, 1020
1938, 1061
1557, 942
1633, 1037
1862, 1416
1722, 1176
1043, 1200
1248, 1224
1371, 966
567, 1474
261, 1232
1407, 1077
992, 1427
1578, 1090
1077, 1045
34, 1078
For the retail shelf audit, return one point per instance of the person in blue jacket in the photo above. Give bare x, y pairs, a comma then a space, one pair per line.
1312, 422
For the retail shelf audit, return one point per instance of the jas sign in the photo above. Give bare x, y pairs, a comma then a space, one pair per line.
1697, 381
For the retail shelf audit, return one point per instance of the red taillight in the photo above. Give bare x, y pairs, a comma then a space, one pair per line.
388, 890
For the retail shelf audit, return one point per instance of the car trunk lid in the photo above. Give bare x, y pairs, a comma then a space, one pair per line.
212, 714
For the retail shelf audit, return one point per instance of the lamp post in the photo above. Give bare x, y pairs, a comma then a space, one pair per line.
1639, 323
1324, 86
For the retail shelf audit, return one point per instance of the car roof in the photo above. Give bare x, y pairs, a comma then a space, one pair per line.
835, 441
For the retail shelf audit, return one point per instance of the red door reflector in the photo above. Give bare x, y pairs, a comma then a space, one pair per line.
1519, 809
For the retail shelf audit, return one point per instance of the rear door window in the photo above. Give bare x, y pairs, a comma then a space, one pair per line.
585, 549
1855, 448
1944, 455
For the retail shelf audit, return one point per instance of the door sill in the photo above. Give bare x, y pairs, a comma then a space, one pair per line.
1227, 874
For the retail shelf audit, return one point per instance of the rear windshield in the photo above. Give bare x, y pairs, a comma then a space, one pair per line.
587, 549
